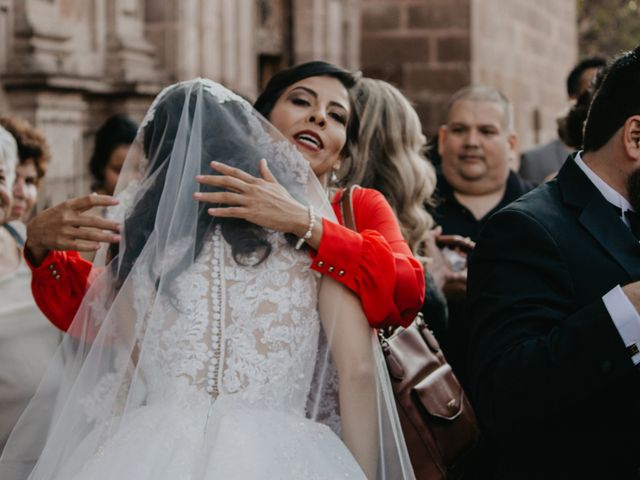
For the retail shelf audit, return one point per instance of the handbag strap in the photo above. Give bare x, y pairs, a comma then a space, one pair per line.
14, 233
346, 208
349, 221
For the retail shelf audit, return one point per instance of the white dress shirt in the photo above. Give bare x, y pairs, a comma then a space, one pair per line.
624, 315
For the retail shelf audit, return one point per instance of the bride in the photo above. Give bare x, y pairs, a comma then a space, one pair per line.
207, 348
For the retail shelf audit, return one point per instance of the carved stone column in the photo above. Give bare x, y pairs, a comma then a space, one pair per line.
327, 30
129, 56
66, 65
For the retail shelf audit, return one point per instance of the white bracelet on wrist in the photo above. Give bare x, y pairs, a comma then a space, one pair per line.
309, 233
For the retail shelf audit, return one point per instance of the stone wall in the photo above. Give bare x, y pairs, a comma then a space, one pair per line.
327, 30
431, 48
66, 65
526, 49
422, 46
209, 38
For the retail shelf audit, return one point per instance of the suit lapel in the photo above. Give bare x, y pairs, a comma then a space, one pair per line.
607, 228
599, 218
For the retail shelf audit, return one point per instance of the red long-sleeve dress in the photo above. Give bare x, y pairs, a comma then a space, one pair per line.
375, 263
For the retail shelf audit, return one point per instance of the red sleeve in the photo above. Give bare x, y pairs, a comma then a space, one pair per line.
375, 262
59, 284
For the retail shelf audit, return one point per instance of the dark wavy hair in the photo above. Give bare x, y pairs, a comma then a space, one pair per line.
573, 79
227, 141
615, 100
571, 128
117, 130
285, 78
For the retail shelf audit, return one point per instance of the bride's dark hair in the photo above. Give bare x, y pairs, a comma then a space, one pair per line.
227, 142
224, 133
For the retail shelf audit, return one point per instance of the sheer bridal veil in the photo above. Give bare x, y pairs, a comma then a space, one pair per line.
165, 335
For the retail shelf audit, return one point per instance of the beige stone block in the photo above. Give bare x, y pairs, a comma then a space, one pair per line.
6, 33
440, 80
437, 14
394, 49
381, 17
454, 48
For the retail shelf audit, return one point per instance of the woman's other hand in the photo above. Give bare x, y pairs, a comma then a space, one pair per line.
452, 281
261, 201
65, 227
462, 245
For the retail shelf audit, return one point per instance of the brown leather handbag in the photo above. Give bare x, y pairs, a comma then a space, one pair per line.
438, 422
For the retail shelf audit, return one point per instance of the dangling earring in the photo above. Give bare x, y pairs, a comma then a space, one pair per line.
334, 177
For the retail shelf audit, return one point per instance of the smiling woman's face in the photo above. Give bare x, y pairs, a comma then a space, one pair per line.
25, 190
313, 114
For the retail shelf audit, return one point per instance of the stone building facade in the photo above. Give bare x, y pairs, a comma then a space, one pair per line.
66, 65
434, 47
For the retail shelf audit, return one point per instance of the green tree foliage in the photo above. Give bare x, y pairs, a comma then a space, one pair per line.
607, 27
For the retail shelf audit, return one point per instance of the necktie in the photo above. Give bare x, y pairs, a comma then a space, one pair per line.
634, 222
633, 218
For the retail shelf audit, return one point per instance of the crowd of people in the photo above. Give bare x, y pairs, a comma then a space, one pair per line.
207, 312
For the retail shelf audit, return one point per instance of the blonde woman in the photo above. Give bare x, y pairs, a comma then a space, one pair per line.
388, 155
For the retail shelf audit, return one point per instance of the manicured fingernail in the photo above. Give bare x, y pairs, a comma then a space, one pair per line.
197, 195
116, 238
199, 177
212, 211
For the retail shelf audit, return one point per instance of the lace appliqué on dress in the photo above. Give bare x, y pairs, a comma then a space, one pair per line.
244, 332
272, 327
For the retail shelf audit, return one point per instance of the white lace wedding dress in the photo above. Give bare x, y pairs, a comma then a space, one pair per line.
183, 364
228, 373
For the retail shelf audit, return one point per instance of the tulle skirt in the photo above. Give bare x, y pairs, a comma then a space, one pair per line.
225, 442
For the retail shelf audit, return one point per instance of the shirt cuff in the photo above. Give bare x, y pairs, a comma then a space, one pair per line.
339, 253
626, 319
50, 263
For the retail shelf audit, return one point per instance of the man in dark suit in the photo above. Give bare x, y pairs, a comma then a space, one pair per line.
553, 299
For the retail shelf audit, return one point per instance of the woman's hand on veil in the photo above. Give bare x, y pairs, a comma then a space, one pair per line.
262, 201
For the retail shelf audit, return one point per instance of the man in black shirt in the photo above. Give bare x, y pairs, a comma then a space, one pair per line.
475, 145
457, 219
475, 181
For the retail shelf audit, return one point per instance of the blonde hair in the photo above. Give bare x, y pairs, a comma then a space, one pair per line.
388, 155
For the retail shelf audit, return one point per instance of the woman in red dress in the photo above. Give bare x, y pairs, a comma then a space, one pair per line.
375, 262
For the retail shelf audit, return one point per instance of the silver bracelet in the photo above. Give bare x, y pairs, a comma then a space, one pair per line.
309, 233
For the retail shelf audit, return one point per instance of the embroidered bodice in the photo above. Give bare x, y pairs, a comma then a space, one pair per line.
250, 331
